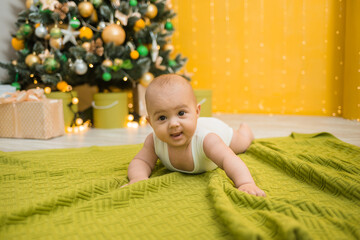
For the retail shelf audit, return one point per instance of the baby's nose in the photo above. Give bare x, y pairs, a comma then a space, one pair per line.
174, 122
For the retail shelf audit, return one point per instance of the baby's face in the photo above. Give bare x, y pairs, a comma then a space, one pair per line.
173, 114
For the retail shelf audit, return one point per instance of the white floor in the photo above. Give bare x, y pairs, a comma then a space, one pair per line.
263, 126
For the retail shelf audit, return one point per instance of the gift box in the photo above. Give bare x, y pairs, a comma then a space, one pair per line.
5, 88
204, 98
28, 114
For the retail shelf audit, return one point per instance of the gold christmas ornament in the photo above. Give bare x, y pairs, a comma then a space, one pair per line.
47, 37
62, 86
94, 17
55, 32
139, 24
116, 3
86, 46
107, 63
151, 11
146, 79
147, 21
85, 9
32, 59
68, 88
86, 32
168, 5
29, 3
134, 54
56, 43
17, 44
168, 47
118, 61
113, 33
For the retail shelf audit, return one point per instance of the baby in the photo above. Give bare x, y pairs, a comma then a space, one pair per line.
186, 143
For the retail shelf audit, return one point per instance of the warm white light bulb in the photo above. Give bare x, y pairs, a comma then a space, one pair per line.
75, 100
130, 117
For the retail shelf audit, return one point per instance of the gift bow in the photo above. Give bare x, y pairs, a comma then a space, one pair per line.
22, 96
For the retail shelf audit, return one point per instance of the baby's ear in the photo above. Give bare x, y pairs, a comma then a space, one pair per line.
198, 108
148, 119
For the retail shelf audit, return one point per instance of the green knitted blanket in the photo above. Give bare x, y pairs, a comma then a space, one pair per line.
312, 184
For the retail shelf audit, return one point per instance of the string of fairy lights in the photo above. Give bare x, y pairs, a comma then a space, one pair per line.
77, 124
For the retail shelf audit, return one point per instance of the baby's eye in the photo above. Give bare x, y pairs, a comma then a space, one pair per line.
181, 113
162, 118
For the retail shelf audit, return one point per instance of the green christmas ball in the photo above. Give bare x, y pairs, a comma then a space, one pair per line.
55, 32
172, 63
17, 85
143, 51
51, 65
133, 3
63, 58
26, 29
169, 26
25, 51
20, 35
75, 23
96, 3
106, 76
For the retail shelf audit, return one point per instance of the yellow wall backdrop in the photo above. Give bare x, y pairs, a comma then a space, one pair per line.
260, 56
352, 62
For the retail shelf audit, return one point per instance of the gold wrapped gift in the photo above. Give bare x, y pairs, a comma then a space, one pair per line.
29, 114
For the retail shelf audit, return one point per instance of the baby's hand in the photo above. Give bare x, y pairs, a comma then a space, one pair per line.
132, 181
251, 188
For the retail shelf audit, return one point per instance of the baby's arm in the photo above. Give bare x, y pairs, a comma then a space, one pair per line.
235, 168
144, 162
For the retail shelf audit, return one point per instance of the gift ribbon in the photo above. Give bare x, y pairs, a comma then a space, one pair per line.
202, 101
104, 107
16, 128
23, 96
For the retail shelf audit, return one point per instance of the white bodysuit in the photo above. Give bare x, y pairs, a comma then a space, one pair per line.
201, 162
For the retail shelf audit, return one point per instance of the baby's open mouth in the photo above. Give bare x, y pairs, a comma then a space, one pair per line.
174, 135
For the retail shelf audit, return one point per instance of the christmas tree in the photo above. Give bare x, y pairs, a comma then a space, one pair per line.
107, 43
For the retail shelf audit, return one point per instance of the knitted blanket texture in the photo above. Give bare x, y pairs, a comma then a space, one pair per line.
312, 182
